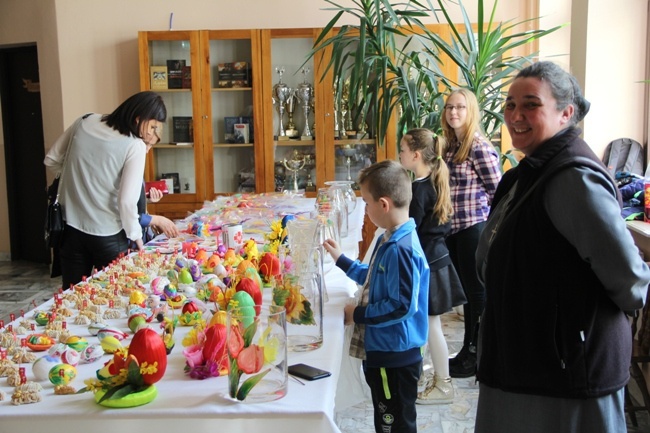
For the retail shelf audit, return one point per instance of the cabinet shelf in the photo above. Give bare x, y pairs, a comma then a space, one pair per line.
354, 141
294, 143
231, 89
227, 145
174, 146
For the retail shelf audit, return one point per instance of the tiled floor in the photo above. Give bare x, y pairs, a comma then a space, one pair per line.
24, 285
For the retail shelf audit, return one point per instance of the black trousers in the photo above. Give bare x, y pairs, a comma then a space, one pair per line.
462, 249
81, 253
394, 391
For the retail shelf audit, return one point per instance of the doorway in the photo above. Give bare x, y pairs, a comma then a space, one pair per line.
22, 119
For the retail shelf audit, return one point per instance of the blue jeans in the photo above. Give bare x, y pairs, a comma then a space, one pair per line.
81, 252
462, 249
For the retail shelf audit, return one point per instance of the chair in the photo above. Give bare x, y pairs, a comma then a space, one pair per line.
640, 355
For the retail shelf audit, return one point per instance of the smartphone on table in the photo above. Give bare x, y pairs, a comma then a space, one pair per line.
308, 372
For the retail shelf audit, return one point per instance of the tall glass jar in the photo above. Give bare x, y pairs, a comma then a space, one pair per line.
301, 294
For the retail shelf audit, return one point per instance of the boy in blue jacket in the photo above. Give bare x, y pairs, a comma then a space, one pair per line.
391, 320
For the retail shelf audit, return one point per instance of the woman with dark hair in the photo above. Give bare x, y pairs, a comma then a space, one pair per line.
101, 181
560, 269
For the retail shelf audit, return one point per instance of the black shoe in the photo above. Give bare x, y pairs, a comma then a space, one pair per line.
465, 368
460, 356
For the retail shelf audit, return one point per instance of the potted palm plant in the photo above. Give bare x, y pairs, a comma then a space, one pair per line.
394, 60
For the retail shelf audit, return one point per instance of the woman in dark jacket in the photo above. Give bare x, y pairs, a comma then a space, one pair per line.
560, 269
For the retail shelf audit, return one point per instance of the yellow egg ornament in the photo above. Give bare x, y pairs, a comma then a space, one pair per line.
110, 344
62, 374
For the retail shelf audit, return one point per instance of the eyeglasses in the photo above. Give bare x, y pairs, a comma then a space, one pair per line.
450, 108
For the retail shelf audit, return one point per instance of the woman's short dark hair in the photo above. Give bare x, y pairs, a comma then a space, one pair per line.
141, 107
564, 87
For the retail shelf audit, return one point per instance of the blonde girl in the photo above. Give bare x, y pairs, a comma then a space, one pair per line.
431, 208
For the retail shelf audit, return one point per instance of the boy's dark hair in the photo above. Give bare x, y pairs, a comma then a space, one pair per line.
137, 109
387, 179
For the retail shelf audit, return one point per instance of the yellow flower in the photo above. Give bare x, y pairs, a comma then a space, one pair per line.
149, 368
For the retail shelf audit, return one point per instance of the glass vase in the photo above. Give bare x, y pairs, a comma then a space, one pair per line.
257, 352
302, 296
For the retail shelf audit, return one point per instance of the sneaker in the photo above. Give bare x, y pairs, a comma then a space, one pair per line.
441, 392
427, 380
465, 368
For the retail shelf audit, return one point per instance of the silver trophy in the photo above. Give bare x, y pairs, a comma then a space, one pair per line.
281, 93
295, 164
291, 131
305, 93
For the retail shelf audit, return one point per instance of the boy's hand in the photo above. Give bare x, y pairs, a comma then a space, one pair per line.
349, 314
333, 248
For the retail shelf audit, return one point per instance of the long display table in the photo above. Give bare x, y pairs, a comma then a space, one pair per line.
185, 404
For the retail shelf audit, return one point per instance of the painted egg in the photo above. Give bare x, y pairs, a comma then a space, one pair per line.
91, 354
95, 327
170, 291
112, 332
71, 357
245, 303
220, 270
57, 350
158, 285
62, 374
137, 322
77, 343
42, 366
110, 344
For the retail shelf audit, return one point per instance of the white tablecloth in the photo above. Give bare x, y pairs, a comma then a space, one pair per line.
185, 404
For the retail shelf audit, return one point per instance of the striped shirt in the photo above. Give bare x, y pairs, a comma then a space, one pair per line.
472, 182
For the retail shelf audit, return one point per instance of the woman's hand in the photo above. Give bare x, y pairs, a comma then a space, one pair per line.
333, 248
155, 195
164, 225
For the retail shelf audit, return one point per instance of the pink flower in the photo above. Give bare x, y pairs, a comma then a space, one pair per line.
194, 356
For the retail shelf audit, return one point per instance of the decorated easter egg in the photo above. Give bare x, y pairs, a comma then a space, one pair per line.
71, 357
184, 276
220, 270
110, 344
190, 314
77, 343
42, 366
137, 322
113, 332
91, 354
170, 291
57, 350
245, 302
158, 285
62, 374
95, 327
251, 287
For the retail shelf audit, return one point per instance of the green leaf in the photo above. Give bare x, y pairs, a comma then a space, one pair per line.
133, 375
249, 383
233, 377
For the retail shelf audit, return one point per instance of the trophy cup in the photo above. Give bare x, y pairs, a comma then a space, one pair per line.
305, 92
349, 151
295, 164
281, 93
291, 130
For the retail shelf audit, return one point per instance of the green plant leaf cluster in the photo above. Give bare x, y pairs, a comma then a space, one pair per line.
394, 61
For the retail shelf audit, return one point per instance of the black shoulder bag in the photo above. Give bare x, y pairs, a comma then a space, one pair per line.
54, 223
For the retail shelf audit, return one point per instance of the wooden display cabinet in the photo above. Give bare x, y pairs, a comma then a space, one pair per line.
222, 86
232, 75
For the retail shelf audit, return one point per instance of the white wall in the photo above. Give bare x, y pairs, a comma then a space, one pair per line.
88, 53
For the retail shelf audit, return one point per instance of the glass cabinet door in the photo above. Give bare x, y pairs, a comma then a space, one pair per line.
235, 148
170, 68
291, 112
